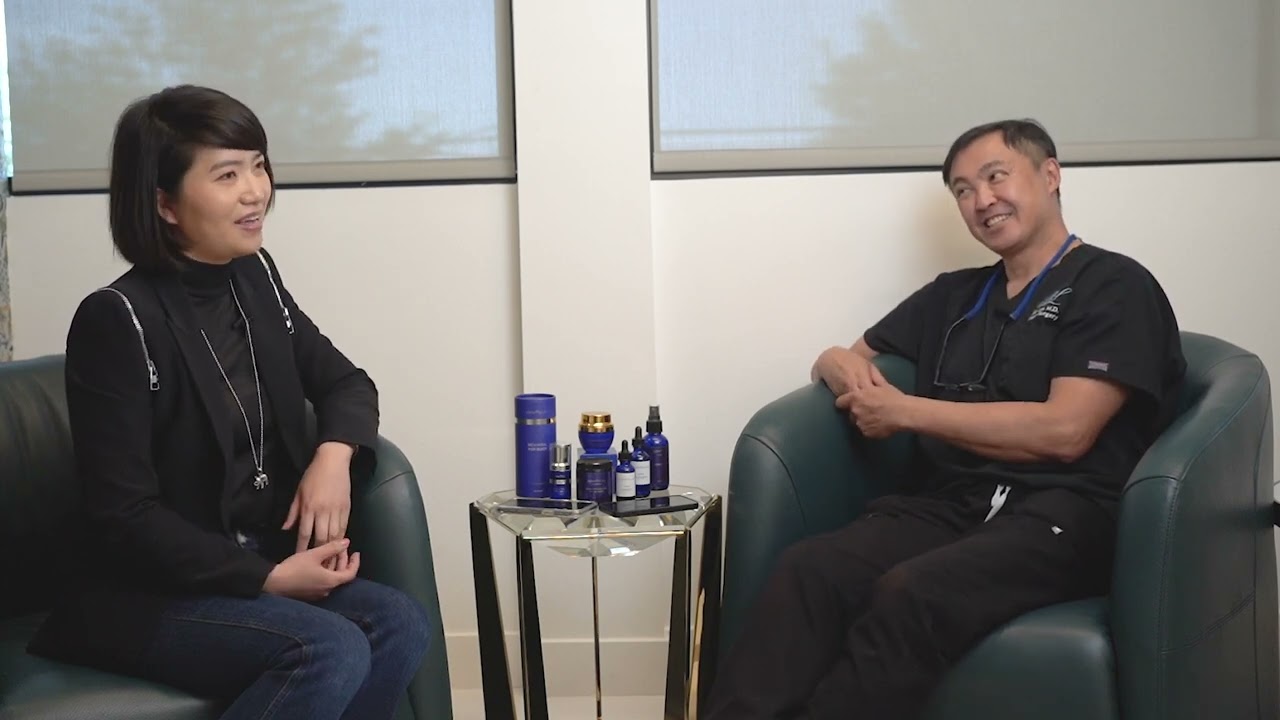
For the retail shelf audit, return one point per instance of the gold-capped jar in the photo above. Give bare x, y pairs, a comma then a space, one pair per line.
596, 422
595, 432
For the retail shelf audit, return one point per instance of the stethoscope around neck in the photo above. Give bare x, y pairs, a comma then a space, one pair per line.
1031, 289
979, 384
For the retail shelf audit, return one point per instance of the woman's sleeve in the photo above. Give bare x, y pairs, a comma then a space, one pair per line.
344, 396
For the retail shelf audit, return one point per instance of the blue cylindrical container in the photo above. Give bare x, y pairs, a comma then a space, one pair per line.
535, 436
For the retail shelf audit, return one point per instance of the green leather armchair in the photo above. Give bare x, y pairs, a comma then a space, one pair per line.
1190, 627
38, 496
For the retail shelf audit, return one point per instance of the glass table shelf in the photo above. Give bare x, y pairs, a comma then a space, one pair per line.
581, 528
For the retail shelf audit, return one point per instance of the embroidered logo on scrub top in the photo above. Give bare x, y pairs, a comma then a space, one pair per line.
1050, 307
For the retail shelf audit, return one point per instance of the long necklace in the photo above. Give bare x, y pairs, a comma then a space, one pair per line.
260, 479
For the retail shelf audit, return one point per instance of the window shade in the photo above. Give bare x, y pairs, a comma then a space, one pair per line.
348, 90
800, 84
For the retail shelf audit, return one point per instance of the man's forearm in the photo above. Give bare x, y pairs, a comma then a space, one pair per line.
826, 371
861, 347
1007, 431
997, 452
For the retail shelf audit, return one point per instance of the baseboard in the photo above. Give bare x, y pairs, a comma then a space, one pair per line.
628, 666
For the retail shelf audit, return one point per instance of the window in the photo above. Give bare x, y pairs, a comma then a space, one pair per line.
349, 90
799, 84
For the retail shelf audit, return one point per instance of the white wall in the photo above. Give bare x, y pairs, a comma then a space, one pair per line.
450, 297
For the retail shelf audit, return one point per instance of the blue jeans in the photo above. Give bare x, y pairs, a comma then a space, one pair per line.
350, 655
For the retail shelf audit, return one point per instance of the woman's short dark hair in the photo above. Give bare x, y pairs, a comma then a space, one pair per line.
155, 141
1025, 136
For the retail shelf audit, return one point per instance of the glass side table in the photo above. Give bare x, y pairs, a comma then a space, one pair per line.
582, 529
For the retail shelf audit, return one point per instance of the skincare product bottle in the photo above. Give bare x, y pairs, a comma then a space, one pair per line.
535, 435
561, 471
595, 432
640, 461
659, 451
595, 479
625, 486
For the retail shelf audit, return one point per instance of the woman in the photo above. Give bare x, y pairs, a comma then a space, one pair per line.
216, 558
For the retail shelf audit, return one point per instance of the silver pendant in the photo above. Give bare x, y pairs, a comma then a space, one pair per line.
260, 481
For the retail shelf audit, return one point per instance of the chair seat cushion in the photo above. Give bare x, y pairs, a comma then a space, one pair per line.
1051, 664
33, 688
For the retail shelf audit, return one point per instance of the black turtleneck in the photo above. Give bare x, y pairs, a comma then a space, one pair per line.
252, 510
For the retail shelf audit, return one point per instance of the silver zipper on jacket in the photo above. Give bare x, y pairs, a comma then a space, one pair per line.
153, 376
288, 321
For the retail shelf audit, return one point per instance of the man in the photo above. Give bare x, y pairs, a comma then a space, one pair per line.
1040, 382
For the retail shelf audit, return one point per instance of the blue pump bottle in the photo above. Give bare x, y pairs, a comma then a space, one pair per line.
659, 451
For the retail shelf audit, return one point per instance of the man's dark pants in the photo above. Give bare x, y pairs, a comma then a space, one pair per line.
862, 622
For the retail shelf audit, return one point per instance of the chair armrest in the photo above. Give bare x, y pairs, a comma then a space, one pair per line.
388, 527
1193, 601
799, 468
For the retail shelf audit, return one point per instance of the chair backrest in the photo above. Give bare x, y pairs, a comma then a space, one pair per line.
1193, 605
40, 496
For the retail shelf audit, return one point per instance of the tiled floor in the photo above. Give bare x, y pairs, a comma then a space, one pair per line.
469, 705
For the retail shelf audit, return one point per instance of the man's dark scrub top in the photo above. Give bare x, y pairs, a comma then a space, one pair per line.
1096, 314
